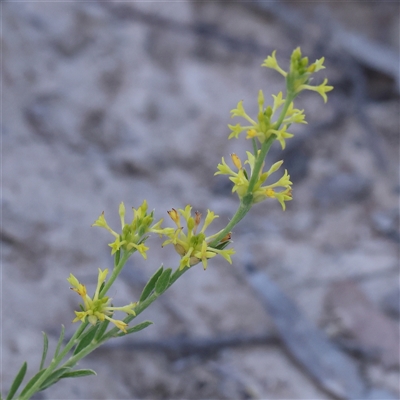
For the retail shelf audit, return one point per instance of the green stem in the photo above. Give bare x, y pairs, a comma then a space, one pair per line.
72, 361
259, 163
289, 99
116, 271
244, 207
54, 363
144, 304
247, 200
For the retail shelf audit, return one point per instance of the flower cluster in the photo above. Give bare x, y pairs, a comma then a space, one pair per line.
272, 123
260, 193
132, 237
277, 119
298, 76
193, 246
266, 124
96, 308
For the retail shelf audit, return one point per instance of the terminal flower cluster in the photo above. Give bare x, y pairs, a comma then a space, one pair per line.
98, 308
298, 77
193, 246
272, 123
277, 119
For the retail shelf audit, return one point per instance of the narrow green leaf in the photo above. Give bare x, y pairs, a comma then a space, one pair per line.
222, 245
17, 381
54, 377
86, 339
32, 382
101, 287
78, 373
101, 329
60, 340
163, 281
117, 257
150, 284
45, 348
136, 328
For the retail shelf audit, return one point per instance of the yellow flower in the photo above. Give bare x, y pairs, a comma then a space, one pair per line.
241, 179
271, 62
285, 195
281, 135
141, 248
191, 245
132, 235
278, 101
95, 308
236, 161
102, 223
282, 195
116, 245
322, 89
175, 217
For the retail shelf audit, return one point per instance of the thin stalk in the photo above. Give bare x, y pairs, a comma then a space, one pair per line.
74, 359
289, 99
259, 163
243, 209
54, 362
247, 200
116, 271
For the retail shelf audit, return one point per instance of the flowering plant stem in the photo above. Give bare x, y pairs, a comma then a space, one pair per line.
246, 201
116, 271
26, 394
191, 243
95, 343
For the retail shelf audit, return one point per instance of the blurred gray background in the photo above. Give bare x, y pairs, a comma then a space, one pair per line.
104, 102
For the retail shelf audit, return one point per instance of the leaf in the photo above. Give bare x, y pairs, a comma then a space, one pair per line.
60, 340
150, 284
163, 281
54, 377
117, 257
45, 348
17, 381
78, 373
222, 245
32, 382
86, 339
101, 329
136, 328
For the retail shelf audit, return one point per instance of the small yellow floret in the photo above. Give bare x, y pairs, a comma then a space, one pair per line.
236, 161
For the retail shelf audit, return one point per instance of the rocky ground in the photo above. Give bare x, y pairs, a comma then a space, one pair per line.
104, 102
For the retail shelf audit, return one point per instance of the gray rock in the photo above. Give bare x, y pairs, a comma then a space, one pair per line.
342, 188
